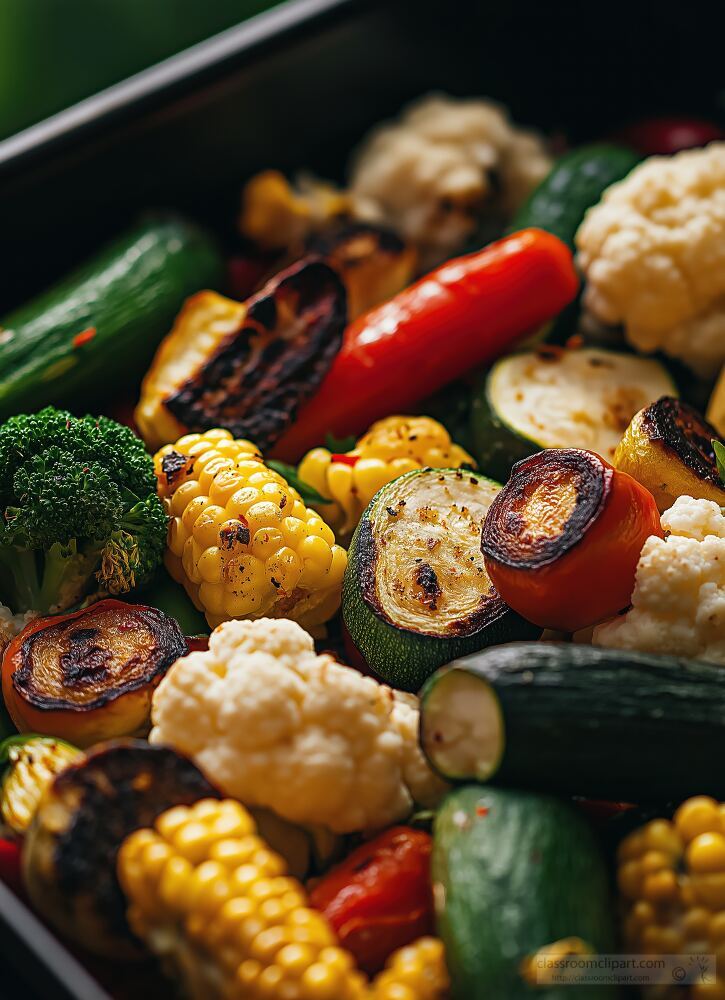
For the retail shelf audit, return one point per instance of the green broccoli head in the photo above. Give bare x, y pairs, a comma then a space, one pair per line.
78, 509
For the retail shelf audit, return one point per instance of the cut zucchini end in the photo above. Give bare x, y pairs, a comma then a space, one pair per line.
462, 727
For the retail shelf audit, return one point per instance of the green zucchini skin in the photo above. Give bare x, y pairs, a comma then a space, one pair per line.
602, 723
129, 293
498, 445
513, 872
576, 182
403, 657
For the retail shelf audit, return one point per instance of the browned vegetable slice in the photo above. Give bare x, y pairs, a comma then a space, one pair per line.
373, 261
246, 367
668, 448
90, 675
69, 857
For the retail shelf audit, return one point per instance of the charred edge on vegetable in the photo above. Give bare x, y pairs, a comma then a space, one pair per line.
506, 536
233, 535
261, 374
111, 792
682, 430
491, 607
85, 662
174, 465
354, 242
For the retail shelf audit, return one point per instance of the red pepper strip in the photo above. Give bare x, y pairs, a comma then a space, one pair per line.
601, 809
197, 643
343, 459
663, 136
464, 314
84, 337
10, 871
379, 898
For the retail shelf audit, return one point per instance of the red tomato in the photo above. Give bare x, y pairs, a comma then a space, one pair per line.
379, 898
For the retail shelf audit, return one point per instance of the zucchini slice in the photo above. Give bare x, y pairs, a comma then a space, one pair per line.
69, 855
416, 591
558, 398
517, 876
668, 448
578, 720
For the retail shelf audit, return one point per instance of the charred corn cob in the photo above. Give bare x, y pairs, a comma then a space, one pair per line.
671, 877
32, 765
240, 539
209, 897
392, 447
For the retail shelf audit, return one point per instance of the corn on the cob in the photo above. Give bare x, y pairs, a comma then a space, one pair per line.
392, 447
32, 765
671, 875
240, 540
207, 895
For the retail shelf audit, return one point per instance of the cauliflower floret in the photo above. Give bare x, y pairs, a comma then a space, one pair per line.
653, 253
11, 625
678, 604
274, 724
431, 174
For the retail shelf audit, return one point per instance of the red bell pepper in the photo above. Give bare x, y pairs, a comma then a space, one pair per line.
10, 871
663, 136
460, 316
379, 898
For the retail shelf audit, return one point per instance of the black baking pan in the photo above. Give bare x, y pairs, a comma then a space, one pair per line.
296, 88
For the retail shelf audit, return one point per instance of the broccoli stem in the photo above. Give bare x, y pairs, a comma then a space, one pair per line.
20, 586
62, 582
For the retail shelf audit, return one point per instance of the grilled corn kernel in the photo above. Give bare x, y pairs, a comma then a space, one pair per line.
672, 877
240, 539
390, 448
206, 892
32, 765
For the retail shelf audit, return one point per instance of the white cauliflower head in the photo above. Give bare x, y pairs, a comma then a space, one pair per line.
274, 724
678, 604
653, 253
432, 173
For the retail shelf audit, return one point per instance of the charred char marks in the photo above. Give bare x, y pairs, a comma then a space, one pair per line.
84, 662
174, 465
236, 534
259, 377
682, 430
429, 590
108, 795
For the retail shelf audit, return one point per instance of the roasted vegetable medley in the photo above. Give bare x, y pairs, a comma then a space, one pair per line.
368, 641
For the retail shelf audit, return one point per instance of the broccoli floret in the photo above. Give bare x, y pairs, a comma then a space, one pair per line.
78, 510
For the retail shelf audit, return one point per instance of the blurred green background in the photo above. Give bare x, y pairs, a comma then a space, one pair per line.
56, 52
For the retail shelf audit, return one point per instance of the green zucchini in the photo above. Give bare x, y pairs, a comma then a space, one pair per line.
557, 398
580, 720
97, 329
514, 873
575, 183
416, 592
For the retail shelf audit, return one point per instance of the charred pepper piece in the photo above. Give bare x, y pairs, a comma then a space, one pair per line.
247, 367
668, 448
562, 539
69, 857
89, 675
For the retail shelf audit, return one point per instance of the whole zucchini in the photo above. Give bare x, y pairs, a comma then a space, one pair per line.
515, 873
98, 327
581, 720
575, 183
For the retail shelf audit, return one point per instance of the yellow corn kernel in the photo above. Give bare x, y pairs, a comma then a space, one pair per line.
390, 448
697, 815
266, 542
661, 835
660, 886
706, 853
